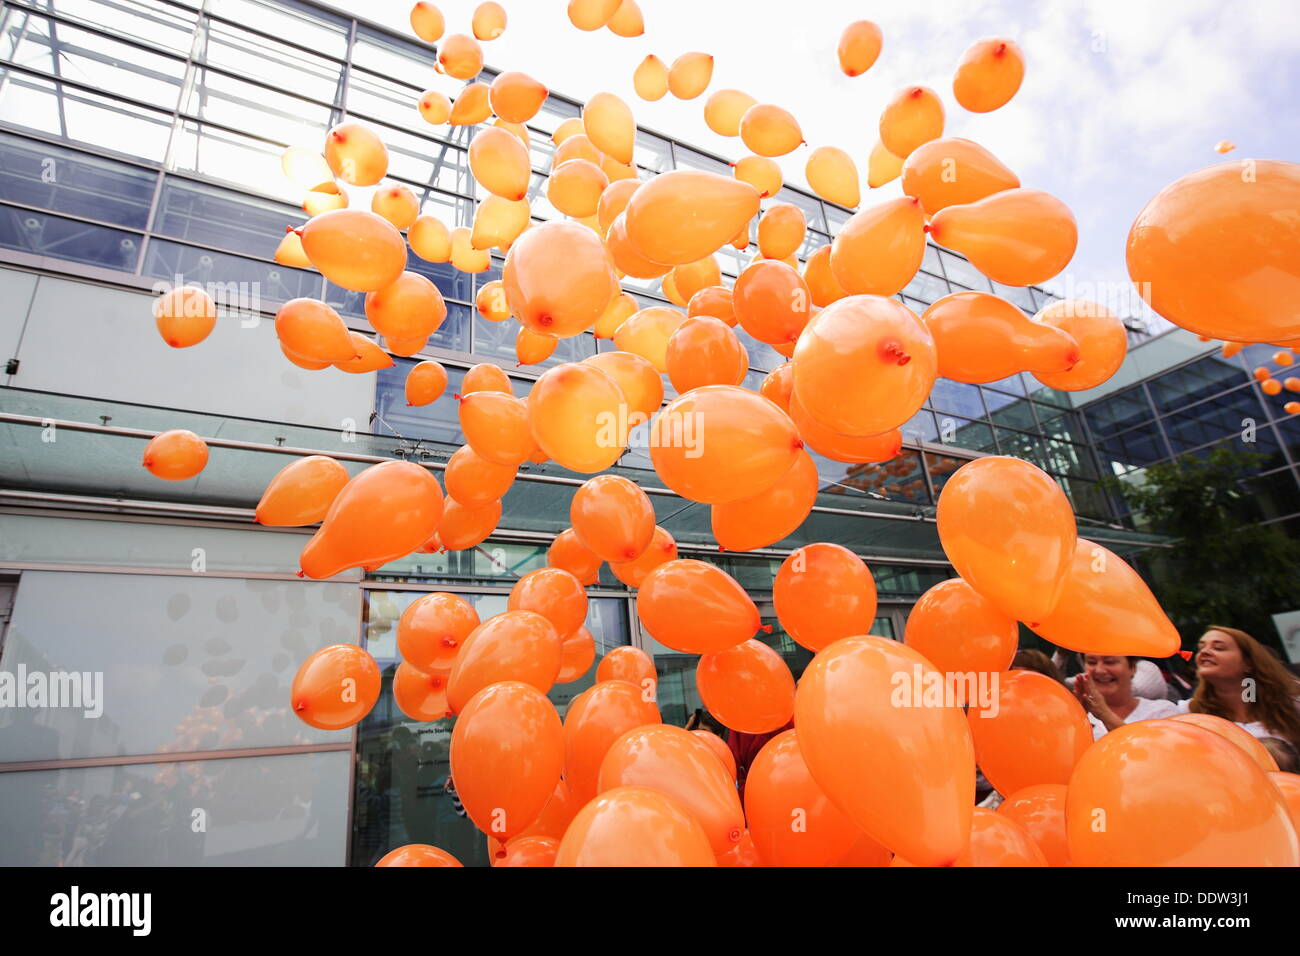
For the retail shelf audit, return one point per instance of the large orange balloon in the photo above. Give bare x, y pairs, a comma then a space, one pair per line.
1102, 340
833, 175
724, 110
903, 773
507, 754
354, 249
613, 518
496, 427
769, 130
650, 79
568, 553
958, 631
696, 608
595, 719
634, 826
629, 664
879, 250
578, 417
418, 854
1016, 236
356, 155
792, 821
953, 171
577, 654
983, 338
301, 493
1040, 810
704, 351
822, 284
683, 768
772, 302
420, 696
460, 56
384, 513
1106, 608
500, 163
625, 256
516, 97
335, 687
647, 333
989, 74
848, 448
720, 748
465, 526
512, 646
771, 515
685, 215
662, 548
1163, 793
912, 117
1211, 252
312, 330
748, 687
610, 126
475, 481
497, 222
690, 74
822, 593
430, 239
995, 841
637, 377
1028, 730
763, 174
558, 278
1233, 733
186, 315
1008, 529
473, 105
411, 307
432, 629
858, 47
553, 593
716, 302
864, 365
575, 188
720, 443
175, 455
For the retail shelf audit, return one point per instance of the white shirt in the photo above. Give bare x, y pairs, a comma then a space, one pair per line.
1255, 728
1146, 709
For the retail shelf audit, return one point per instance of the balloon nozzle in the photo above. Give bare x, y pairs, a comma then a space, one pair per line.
891, 350
766, 628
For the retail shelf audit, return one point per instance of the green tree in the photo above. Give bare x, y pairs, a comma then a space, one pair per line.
1223, 567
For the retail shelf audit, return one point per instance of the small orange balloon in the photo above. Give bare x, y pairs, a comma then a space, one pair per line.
912, 117
356, 155
954, 171
475, 481
577, 654
186, 315
430, 239
397, 204
569, 554
460, 56
485, 377
420, 696
472, 106
839, 447
369, 357
662, 549
859, 46
575, 187
770, 516
419, 854
642, 386
610, 126
464, 526
512, 646
498, 222
983, 338
695, 608
528, 851
724, 110
716, 302
988, 74
629, 664
833, 175
879, 250
781, 230
500, 163
613, 518
558, 279
288, 253
354, 249
516, 97
650, 79
684, 215
410, 308
762, 173
959, 631
776, 387
596, 718
769, 130
1016, 236
532, 347
772, 302
690, 74
695, 276
578, 416
823, 287
704, 351
432, 629
1040, 809
489, 21
634, 826
175, 455
553, 593
748, 688
434, 107
1102, 340
428, 23
646, 334
592, 14
311, 329
464, 255
882, 166
496, 426
822, 593
335, 687
301, 493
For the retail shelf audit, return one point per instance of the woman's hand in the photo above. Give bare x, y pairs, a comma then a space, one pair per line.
1095, 704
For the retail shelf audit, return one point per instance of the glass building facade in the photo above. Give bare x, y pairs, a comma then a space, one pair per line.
140, 144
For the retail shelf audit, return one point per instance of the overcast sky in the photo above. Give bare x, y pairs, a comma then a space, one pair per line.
1120, 97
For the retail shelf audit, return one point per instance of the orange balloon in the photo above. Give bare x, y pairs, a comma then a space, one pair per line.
418, 695
748, 688
354, 249
596, 718
288, 253
185, 315
772, 302
464, 255
175, 455
558, 279
369, 357
833, 175
592, 14
716, 302
497, 222
771, 515
428, 23
490, 301
430, 239
324, 199
512, 646
356, 155
553, 593
762, 173
516, 97
685, 215
629, 664
419, 854
474, 481
995, 841
859, 46
577, 654
781, 230
614, 200
634, 826
647, 333
694, 277
668, 287
768, 130
1029, 730
695, 608
384, 513
988, 74
1016, 236
677, 764
1008, 530
954, 171
335, 687
625, 257
879, 250
650, 79
983, 338
822, 593
1211, 253
610, 126
528, 851
406, 347
640, 381
485, 377
662, 548
463, 527
882, 166
575, 187
719, 748
864, 365
311, 329
496, 427
500, 163
578, 146
569, 554
792, 821
460, 56
1040, 810
958, 631
1289, 786
776, 387
627, 21
1102, 340
690, 74
621, 308
1170, 794
532, 347
904, 774
578, 417
410, 307
434, 107
865, 852
301, 493
569, 128
847, 448
1106, 608
704, 351
472, 106
912, 117
432, 629
823, 287
1233, 733
724, 109
507, 754
489, 21
613, 518
302, 362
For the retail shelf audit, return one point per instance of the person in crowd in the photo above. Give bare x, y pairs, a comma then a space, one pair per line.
1241, 680
1284, 755
1105, 689
1148, 681
1027, 659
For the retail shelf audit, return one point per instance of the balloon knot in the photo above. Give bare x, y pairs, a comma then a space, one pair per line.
302, 574
734, 834
449, 642
337, 136
457, 396
721, 548
915, 92
926, 228
299, 705
1073, 357
766, 628
1185, 655
891, 350
1001, 49
798, 444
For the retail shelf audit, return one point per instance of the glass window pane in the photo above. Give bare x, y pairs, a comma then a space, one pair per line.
274, 282
89, 119
1020, 445
950, 396
398, 58
44, 234
1213, 420
1135, 448
212, 216
63, 180
926, 287
1120, 411
439, 421
241, 161
256, 110
161, 25
308, 25
1017, 414
1191, 383
292, 70
1059, 424
959, 270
